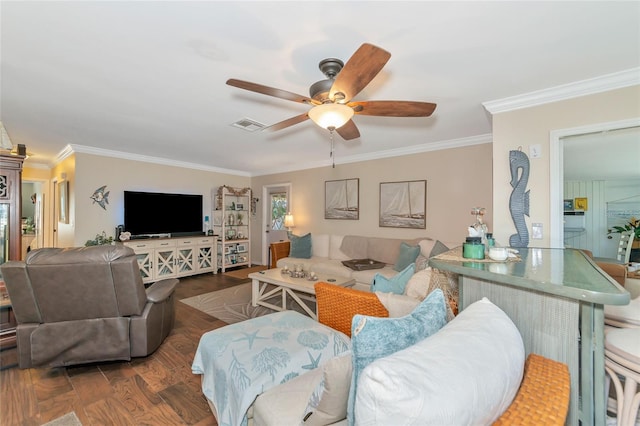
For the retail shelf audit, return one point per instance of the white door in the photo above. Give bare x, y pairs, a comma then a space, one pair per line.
277, 204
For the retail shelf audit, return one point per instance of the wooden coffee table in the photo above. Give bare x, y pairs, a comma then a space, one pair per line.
267, 284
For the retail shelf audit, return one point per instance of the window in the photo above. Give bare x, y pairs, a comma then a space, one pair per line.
278, 210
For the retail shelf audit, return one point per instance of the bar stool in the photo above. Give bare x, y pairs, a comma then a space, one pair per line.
622, 367
624, 316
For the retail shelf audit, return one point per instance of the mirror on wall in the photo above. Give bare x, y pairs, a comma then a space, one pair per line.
602, 179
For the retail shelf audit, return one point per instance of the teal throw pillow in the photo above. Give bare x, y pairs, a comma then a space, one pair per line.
438, 248
373, 338
300, 246
408, 254
395, 284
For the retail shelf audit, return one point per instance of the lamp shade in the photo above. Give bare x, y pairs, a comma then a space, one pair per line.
331, 115
288, 220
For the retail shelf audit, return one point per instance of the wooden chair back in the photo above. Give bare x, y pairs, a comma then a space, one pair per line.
278, 251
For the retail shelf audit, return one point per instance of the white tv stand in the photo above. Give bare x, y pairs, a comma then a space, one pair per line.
160, 258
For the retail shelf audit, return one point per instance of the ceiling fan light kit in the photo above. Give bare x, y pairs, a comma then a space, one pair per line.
331, 99
330, 115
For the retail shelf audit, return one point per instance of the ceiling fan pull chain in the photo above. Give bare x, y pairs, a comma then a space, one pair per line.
333, 159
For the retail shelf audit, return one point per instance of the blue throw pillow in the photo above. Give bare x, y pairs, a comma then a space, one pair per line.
300, 246
373, 338
395, 284
408, 254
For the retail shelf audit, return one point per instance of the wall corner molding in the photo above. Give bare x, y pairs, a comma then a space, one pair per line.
618, 80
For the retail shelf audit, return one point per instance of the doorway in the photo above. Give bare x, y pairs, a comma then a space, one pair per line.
557, 173
35, 226
277, 203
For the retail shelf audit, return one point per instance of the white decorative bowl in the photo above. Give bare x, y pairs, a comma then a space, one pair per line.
498, 253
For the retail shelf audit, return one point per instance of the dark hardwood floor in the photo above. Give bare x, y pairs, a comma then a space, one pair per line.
157, 390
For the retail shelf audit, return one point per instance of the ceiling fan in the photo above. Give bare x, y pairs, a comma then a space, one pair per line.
331, 98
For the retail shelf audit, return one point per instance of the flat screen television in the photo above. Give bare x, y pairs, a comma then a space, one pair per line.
155, 213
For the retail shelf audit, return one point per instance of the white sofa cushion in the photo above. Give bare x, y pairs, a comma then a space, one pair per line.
285, 404
320, 245
426, 246
335, 242
366, 276
398, 305
329, 267
328, 402
466, 373
418, 285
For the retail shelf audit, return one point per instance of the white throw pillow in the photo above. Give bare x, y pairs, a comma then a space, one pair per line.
335, 242
466, 373
398, 305
418, 285
426, 246
320, 245
328, 402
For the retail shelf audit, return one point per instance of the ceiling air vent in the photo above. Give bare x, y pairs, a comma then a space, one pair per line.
248, 124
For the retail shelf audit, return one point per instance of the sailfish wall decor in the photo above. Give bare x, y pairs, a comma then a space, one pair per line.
519, 200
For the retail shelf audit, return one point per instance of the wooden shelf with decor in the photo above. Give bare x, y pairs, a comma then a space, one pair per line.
232, 226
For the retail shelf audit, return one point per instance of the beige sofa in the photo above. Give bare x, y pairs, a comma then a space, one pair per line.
329, 251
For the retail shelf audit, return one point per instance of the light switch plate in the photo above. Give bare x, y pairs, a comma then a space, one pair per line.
535, 151
536, 231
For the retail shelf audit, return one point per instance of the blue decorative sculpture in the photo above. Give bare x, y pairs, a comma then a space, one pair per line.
519, 200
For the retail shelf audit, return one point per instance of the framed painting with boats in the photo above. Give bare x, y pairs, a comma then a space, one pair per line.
341, 199
403, 204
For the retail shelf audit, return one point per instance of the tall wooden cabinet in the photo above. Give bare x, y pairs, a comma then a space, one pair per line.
10, 207
10, 236
231, 225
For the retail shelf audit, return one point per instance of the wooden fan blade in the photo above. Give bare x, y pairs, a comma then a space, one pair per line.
393, 108
349, 131
288, 122
270, 91
359, 70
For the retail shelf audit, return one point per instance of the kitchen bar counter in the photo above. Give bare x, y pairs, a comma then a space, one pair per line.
556, 299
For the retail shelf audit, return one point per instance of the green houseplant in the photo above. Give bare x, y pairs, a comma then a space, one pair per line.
632, 225
99, 240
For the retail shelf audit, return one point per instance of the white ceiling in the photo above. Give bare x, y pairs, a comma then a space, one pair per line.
609, 155
148, 78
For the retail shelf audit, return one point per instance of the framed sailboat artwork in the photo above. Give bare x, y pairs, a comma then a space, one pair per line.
341, 199
403, 204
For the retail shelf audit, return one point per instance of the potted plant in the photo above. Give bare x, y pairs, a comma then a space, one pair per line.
634, 226
99, 240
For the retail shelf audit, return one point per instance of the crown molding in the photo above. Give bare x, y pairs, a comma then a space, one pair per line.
618, 80
398, 152
73, 148
434, 146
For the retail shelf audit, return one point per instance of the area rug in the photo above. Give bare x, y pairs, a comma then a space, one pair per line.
243, 273
69, 419
233, 304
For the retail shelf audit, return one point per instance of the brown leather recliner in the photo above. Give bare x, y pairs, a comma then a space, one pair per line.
87, 304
